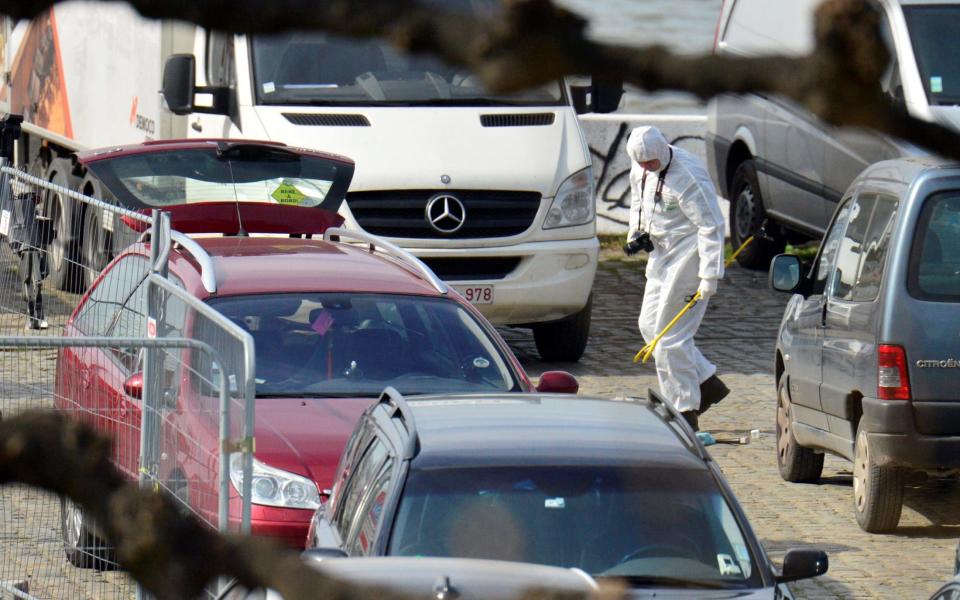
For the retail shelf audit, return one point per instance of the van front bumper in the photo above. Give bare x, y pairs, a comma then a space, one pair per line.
551, 282
894, 439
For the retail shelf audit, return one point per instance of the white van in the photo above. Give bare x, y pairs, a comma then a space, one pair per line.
495, 193
774, 160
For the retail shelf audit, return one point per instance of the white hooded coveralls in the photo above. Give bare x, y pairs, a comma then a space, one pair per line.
687, 230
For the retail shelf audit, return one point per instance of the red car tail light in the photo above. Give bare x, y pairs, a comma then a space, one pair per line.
893, 382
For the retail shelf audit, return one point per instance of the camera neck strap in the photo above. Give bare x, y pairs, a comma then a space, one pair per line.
658, 194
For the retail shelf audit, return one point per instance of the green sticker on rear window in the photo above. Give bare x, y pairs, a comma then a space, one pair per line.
287, 193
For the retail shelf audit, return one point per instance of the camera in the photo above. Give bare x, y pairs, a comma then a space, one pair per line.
641, 242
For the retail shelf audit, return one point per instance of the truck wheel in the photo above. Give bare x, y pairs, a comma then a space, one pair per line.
796, 463
94, 246
564, 341
877, 491
83, 548
747, 216
64, 259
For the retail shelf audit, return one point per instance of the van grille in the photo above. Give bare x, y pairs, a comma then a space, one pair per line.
327, 120
472, 269
402, 213
517, 120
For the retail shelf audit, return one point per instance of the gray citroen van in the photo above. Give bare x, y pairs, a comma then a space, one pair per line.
774, 160
868, 352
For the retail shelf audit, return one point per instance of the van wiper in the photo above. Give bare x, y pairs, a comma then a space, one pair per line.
667, 582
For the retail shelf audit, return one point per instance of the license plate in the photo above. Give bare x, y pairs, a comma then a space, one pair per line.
476, 294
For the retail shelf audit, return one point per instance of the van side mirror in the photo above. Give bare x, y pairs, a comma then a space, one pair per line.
558, 382
803, 564
605, 96
578, 97
133, 386
785, 273
180, 91
179, 79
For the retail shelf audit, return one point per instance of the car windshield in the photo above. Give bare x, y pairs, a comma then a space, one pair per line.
242, 173
342, 345
933, 31
316, 68
652, 527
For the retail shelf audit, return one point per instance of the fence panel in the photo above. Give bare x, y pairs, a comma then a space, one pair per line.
118, 363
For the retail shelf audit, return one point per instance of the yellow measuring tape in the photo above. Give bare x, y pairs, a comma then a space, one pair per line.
647, 351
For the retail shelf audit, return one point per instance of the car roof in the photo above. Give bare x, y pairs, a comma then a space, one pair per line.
258, 265
546, 430
906, 170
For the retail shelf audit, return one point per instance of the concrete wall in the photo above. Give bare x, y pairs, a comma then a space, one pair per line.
607, 136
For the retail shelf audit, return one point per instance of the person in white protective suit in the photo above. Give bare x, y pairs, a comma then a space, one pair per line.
674, 203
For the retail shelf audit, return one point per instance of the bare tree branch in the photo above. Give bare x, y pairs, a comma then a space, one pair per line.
171, 554
535, 42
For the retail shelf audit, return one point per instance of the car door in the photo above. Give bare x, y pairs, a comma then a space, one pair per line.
102, 371
364, 540
803, 332
852, 308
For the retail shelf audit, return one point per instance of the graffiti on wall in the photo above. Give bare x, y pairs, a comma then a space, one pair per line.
611, 168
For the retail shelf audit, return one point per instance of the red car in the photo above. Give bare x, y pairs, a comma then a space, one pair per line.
333, 325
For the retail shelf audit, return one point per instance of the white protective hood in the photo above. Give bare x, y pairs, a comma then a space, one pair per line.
647, 143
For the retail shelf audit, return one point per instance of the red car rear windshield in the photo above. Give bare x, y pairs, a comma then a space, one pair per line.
238, 173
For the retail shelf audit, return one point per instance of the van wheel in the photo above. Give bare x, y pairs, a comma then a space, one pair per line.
747, 216
877, 491
84, 549
564, 341
796, 463
94, 247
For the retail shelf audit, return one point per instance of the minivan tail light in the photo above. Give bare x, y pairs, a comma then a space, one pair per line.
893, 382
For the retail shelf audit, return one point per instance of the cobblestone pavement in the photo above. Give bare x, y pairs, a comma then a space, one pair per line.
738, 334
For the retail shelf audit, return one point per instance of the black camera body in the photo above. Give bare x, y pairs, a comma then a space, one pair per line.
641, 242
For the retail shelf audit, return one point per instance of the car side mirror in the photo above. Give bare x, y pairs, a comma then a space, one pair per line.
133, 386
803, 564
558, 382
785, 272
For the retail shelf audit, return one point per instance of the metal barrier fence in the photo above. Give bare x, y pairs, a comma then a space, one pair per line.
168, 378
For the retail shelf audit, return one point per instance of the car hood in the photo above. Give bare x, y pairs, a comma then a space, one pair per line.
306, 436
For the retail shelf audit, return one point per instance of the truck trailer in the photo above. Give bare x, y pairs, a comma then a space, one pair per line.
493, 192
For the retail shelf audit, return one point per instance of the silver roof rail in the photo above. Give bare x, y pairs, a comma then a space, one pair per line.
207, 274
391, 249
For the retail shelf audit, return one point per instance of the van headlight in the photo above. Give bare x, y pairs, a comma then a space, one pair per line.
273, 487
574, 203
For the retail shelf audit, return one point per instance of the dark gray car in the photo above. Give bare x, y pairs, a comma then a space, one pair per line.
868, 352
620, 489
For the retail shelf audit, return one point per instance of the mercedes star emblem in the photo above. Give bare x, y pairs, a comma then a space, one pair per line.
446, 213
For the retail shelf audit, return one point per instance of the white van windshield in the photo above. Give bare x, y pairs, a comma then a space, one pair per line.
933, 31
315, 68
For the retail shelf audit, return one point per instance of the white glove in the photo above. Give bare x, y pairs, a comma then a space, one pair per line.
708, 287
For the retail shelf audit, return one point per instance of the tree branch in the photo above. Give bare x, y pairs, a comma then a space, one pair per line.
534, 42
172, 555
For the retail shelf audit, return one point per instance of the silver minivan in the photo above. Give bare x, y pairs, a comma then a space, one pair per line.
868, 352
774, 160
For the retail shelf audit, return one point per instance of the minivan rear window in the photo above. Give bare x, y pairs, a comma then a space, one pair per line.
935, 257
